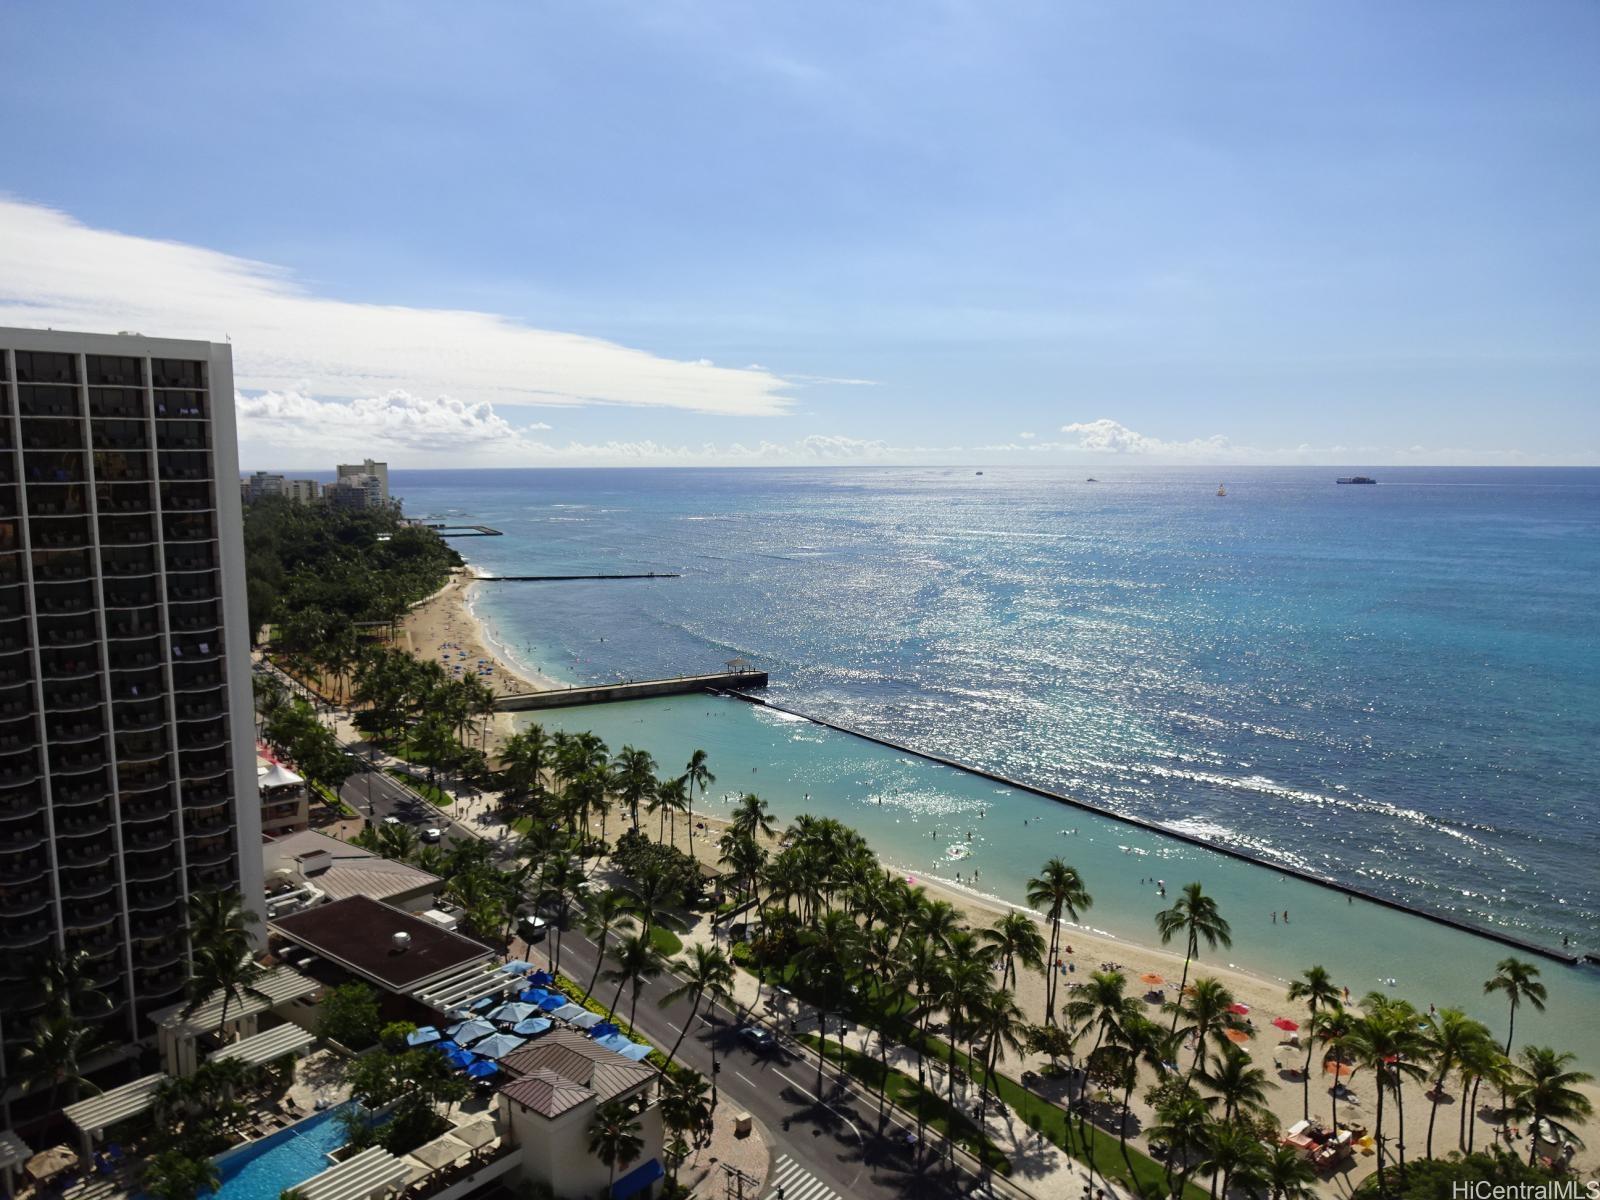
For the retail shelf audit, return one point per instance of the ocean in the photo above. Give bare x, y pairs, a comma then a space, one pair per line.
1395, 687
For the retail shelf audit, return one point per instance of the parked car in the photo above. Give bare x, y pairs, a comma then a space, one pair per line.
531, 927
432, 834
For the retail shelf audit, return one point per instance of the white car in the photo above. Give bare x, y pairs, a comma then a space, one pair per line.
432, 835
393, 821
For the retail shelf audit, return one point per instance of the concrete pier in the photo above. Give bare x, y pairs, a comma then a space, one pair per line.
563, 578
638, 689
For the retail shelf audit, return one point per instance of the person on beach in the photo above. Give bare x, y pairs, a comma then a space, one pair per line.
1286, 916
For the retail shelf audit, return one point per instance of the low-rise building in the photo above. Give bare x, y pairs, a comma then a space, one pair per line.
285, 799
308, 868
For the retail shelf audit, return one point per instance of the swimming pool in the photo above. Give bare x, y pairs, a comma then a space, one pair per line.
263, 1170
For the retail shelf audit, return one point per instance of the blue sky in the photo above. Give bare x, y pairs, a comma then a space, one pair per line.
683, 232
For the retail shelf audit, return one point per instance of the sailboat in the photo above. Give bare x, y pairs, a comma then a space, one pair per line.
1221, 491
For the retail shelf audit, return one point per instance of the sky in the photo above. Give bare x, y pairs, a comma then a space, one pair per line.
676, 232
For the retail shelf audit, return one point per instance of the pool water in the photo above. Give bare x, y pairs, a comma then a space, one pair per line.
265, 1169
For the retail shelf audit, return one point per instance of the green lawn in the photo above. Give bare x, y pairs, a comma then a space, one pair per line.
665, 941
905, 1091
428, 791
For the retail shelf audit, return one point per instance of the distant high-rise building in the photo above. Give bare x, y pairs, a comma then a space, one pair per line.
127, 769
262, 484
302, 491
370, 478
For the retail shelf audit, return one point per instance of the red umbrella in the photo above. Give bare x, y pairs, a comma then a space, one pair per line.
1287, 1025
1337, 1069
1238, 1035
1239, 1009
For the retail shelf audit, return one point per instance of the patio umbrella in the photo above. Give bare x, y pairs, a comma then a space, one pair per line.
532, 1026
1287, 1025
470, 1031
614, 1041
553, 1001
511, 1012
1238, 1010
445, 1046
498, 1046
460, 1058
482, 1070
582, 1019
1338, 1070
541, 979
532, 995
638, 1052
421, 1037
1151, 979
481, 1003
517, 966
603, 1029
1239, 1036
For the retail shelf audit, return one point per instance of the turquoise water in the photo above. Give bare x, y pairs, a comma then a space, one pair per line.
915, 813
263, 1170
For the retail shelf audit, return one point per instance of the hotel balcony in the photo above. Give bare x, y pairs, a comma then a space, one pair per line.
163, 922
181, 406
190, 589
13, 597
126, 531
60, 566
187, 497
182, 466
93, 929
122, 466
76, 759
86, 883
22, 868
141, 747
58, 665
84, 847
194, 677
198, 557
153, 985
59, 533
13, 635
63, 597
131, 593
133, 778
204, 795
53, 466
10, 569
149, 897
18, 734
120, 435
146, 806
15, 668
47, 402
211, 734
156, 952
117, 370
71, 695
138, 685
111, 498
174, 373
195, 647
209, 824
124, 563
149, 835
181, 527
149, 866
210, 852
72, 793
135, 655
22, 899
48, 433
220, 875
18, 767
131, 625
194, 618
41, 366
198, 766
8, 497
140, 716
8, 469
21, 802
24, 935
79, 629
173, 434
124, 404
67, 727
51, 500
19, 832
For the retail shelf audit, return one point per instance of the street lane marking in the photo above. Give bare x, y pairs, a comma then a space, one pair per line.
791, 1181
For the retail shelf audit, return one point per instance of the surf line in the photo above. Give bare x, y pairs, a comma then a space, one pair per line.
1505, 939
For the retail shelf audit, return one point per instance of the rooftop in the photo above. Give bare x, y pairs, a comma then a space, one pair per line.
358, 934
349, 870
564, 1068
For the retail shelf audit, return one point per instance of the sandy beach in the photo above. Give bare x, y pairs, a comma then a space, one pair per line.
445, 629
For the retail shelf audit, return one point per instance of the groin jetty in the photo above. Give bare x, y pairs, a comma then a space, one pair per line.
633, 689
565, 578
1567, 958
461, 530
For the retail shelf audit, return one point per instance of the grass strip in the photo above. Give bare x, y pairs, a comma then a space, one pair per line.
431, 792
930, 1108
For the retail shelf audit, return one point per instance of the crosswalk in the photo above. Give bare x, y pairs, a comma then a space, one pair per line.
791, 1181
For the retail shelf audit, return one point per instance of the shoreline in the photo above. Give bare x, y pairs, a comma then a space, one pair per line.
447, 619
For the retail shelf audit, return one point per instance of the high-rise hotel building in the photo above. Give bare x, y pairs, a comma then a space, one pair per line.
127, 758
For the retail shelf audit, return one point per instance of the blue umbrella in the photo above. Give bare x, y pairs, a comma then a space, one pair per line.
614, 1042
498, 1046
512, 1012
470, 1031
533, 995
482, 1070
553, 1001
461, 1058
421, 1037
532, 1026
481, 1003
638, 1052
541, 979
603, 1030
517, 966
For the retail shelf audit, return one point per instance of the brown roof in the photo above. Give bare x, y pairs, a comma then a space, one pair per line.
580, 1066
358, 933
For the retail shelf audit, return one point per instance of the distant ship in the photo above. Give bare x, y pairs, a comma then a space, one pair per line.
1091, 479
1221, 491
1356, 479
978, 472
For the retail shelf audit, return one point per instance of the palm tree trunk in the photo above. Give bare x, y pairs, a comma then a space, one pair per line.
1378, 1135
1182, 983
693, 1009
599, 959
617, 999
1472, 1123
1050, 971
1400, 1114
1438, 1090
822, 1057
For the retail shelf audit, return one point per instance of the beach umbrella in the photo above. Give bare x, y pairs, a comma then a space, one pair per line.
517, 966
541, 979
615, 1042
497, 1046
421, 1037
533, 995
638, 1052
1287, 1025
461, 1058
553, 1001
481, 1003
1238, 1010
603, 1030
572, 1014
470, 1031
1337, 1069
446, 1046
1151, 979
511, 1012
532, 1026
482, 1070
1238, 1035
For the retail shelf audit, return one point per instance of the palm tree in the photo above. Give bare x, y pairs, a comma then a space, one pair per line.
686, 1106
1017, 939
614, 1137
999, 1023
68, 990
222, 969
633, 776
174, 1175
1059, 891
1379, 1039
638, 962
54, 1058
752, 819
1519, 981
217, 917
1544, 1095
671, 799
707, 972
1183, 1126
1480, 1060
1315, 986
1205, 1009
1287, 1176
1450, 1034
1240, 1087
1195, 915
607, 910
824, 961
1233, 1152
700, 777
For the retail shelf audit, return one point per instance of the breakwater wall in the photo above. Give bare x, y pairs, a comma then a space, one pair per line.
564, 578
633, 689
1508, 939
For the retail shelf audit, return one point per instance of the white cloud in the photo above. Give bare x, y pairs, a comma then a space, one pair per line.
57, 272
1027, 437
1106, 436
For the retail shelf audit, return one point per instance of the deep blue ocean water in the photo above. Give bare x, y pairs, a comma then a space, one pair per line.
1394, 686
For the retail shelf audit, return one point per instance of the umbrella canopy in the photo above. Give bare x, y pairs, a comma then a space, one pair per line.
511, 1012
1285, 1024
517, 966
582, 1018
470, 1031
1152, 979
1239, 1036
553, 1001
481, 1003
603, 1029
532, 995
421, 1037
541, 979
638, 1052
614, 1041
1338, 1070
445, 1046
1238, 1010
482, 1070
47, 1164
460, 1058
498, 1046
532, 1026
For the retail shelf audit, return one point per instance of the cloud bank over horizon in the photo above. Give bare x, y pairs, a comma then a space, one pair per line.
57, 272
